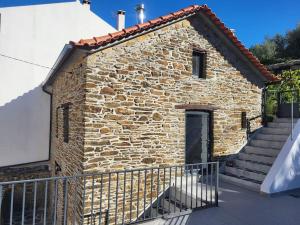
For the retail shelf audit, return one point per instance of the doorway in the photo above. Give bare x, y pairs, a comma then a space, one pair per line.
197, 137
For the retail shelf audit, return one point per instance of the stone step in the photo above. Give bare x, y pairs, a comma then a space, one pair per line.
169, 206
279, 125
267, 144
238, 172
285, 120
272, 137
196, 193
269, 130
262, 151
241, 182
256, 158
253, 166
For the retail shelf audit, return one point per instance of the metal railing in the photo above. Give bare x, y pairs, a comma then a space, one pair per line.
248, 125
120, 197
283, 103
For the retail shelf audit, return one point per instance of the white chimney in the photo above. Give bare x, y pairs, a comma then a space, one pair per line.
233, 31
140, 10
87, 4
120, 20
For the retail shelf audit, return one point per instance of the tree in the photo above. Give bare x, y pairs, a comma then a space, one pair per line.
266, 52
279, 48
293, 43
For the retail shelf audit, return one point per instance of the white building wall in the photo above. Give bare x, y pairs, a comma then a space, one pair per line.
284, 174
37, 34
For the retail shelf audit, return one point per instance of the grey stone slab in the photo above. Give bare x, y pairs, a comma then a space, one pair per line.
239, 206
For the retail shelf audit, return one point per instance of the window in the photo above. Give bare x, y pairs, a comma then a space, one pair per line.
57, 122
244, 120
66, 109
199, 64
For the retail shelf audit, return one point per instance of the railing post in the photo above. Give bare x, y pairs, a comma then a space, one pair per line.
263, 107
292, 115
217, 185
1, 189
248, 128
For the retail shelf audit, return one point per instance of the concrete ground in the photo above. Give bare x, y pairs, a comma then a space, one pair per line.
238, 206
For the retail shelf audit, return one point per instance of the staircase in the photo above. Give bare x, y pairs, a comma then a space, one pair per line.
252, 164
181, 200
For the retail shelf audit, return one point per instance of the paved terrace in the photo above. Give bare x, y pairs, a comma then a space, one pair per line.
239, 206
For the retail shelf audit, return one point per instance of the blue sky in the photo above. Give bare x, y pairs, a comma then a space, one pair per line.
252, 19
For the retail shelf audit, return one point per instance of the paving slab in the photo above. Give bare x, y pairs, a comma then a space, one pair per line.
239, 206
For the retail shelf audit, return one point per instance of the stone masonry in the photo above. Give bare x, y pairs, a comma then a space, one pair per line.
123, 101
133, 88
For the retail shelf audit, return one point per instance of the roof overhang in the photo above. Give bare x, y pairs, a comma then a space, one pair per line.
64, 55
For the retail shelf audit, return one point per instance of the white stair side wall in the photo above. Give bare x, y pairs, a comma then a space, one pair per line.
284, 174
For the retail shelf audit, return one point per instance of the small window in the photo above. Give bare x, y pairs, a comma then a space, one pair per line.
57, 122
199, 64
244, 120
66, 109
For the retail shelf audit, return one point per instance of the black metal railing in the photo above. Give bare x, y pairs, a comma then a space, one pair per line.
248, 124
119, 197
280, 103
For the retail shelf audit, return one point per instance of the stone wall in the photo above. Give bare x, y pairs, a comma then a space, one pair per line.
68, 88
133, 89
123, 110
18, 173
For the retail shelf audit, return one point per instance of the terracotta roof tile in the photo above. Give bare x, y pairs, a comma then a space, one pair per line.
139, 28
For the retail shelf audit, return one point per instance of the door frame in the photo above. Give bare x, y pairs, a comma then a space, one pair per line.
210, 133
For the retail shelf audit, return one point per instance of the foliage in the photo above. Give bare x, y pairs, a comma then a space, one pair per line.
279, 48
265, 52
289, 87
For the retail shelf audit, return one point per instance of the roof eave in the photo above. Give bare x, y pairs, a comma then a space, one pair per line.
63, 56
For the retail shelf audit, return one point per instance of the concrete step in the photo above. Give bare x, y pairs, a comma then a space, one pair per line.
272, 137
238, 172
197, 194
262, 151
253, 166
270, 130
256, 158
267, 144
239, 181
280, 125
285, 120
169, 206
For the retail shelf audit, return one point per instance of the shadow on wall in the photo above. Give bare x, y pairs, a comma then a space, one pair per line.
233, 59
289, 176
25, 128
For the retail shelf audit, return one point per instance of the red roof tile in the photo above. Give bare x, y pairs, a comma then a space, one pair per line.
103, 40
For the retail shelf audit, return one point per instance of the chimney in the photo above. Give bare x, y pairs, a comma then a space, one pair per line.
140, 10
233, 31
120, 20
86, 3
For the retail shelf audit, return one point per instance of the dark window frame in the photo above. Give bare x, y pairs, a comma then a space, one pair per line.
244, 120
66, 122
202, 57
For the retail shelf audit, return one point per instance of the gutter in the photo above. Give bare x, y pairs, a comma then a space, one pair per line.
63, 56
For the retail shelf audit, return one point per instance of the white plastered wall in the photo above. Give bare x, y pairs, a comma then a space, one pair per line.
37, 34
284, 174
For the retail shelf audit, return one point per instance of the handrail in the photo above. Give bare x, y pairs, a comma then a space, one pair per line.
248, 128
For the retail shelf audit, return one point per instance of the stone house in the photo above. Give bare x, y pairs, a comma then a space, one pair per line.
174, 90
132, 98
